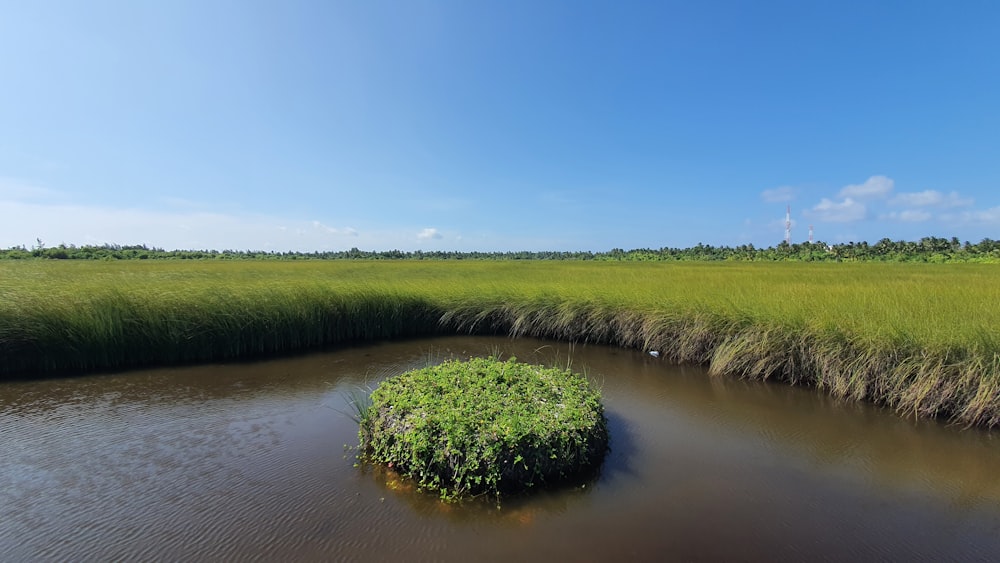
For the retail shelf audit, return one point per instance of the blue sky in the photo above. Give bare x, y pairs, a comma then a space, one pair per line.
496, 125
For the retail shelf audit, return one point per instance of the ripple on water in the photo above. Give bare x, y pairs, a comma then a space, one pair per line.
247, 461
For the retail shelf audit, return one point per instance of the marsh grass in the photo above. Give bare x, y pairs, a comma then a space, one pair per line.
919, 338
359, 403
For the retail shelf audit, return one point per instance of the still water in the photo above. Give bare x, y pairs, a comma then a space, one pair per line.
253, 461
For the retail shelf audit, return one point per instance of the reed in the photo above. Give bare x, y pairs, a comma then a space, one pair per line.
919, 338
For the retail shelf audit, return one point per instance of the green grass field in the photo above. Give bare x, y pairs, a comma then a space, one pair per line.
920, 338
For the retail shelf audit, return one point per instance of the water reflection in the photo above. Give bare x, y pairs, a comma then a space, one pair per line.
849, 438
254, 460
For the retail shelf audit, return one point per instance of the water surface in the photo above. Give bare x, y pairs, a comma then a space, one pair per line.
254, 461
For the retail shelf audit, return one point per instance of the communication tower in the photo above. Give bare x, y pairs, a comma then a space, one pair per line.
788, 224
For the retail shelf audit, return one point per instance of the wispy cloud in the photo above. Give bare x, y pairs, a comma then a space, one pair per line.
838, 212
429, 234
14, 189
989, 216
24, 221
182, 203
440, 204
907, 216
778, 195
346, 231
928, 198
873, 187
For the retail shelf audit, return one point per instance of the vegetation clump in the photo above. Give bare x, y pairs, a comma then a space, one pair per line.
485, 426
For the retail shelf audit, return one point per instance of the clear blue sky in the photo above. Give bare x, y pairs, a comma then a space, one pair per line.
496, 125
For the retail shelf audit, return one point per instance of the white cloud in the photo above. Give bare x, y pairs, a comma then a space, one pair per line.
55, 224
40, 213
778, 195
908, 216
989, 216
428, 234
182, 203
954, 200
928, 198
843, 212
13, 189
440, 205
346, 231
874, 187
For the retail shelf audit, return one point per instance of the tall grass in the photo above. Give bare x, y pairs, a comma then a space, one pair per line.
919, 338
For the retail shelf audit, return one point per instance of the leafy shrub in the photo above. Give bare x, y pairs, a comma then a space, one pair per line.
485, 426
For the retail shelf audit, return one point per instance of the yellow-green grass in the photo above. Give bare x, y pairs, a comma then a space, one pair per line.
919, 338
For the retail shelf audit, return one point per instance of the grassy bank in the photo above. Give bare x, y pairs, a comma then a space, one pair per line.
919, 338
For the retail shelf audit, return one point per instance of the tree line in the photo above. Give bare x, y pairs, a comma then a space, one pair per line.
927, 249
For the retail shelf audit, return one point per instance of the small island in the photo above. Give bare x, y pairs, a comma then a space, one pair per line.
485, 426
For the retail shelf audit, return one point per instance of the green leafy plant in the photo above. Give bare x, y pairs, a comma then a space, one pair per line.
485, 426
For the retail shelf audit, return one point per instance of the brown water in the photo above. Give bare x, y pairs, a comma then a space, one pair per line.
248, 461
